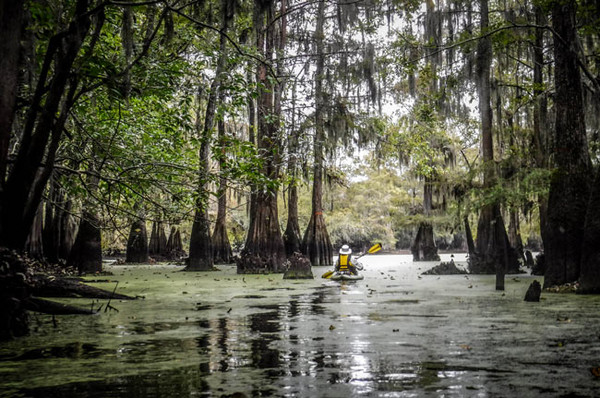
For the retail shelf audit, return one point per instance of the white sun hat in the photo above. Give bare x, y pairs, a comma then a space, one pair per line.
345, 250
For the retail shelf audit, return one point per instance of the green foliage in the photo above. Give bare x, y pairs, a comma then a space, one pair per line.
520, 190
365, 211
420, 141
135, 120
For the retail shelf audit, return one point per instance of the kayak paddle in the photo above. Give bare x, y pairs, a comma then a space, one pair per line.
373, 249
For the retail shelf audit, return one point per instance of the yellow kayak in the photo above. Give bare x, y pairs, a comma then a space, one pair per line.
345, 276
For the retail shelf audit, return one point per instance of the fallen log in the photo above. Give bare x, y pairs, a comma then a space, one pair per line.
47, 286
37, 304
22, 283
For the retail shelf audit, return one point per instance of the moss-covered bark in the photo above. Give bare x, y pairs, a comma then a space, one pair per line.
570, 185
316, 244
264, 250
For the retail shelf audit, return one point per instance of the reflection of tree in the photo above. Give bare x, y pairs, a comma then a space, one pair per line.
274, 341
267, 325
215, 346
222, 344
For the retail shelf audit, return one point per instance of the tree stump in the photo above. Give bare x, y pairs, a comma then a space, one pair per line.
298, 267
533, 292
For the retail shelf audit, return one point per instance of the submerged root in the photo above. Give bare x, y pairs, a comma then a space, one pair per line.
252, 264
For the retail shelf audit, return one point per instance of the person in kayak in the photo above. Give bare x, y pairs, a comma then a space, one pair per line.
344, 261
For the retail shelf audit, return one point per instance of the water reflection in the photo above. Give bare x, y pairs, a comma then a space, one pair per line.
75, 350
272, 341
181, 382
329, 340
277, 348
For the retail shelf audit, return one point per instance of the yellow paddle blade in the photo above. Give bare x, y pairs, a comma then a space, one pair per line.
327, 274
375, 248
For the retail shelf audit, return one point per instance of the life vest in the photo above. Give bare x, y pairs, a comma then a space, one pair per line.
344, 261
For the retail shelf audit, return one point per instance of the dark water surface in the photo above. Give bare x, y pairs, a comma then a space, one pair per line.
394, 334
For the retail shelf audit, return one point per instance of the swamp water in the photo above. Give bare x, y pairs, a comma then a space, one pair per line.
394, 334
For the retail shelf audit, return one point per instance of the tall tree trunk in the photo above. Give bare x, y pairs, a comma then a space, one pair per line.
51, 229
469, 237
86, 253
66, 226
58, 226
570, 185
540, 110
423, 247
127, 42
316, 244
201, 249
162, 239
42, 131
252, 107
153, 248
221, 245
264, 250
589, 280
35, 241
491, 246
291, 236
514, 234
11, 19
480, 260
201, 245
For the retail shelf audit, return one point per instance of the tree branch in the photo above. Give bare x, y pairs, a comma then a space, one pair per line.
229, 39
